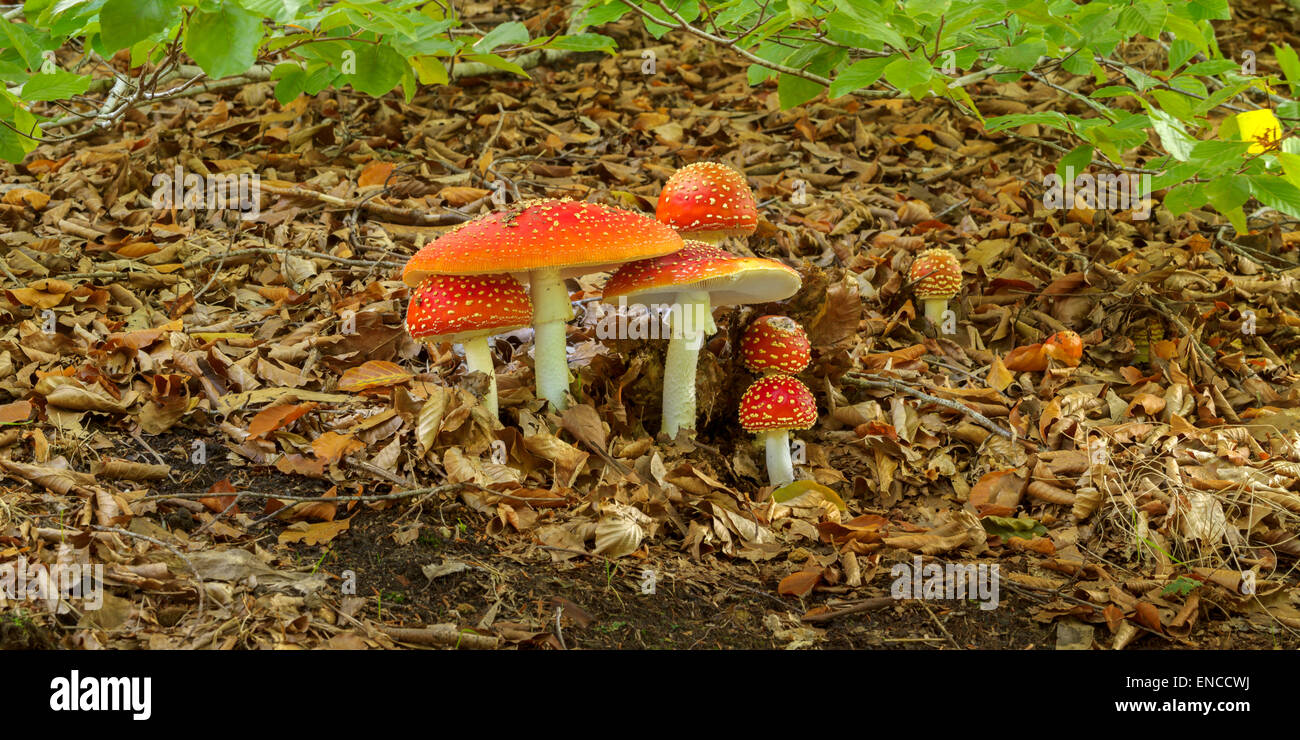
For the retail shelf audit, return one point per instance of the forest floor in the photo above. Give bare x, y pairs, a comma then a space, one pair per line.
173, 382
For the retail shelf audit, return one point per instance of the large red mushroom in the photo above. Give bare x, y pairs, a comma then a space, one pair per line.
692, 282
545, 241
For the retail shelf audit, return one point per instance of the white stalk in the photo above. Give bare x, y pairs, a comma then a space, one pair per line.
694, 323
780, 470
551, 313
478, 357
934, 310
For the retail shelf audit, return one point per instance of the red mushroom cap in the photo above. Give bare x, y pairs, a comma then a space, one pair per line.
775, 343
937, 274
454, 308
1065, 347
708, 200
777, 402
576, 237
729, 280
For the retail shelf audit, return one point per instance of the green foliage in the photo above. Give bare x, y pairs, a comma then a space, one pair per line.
1181, 131
372, 46
916, 48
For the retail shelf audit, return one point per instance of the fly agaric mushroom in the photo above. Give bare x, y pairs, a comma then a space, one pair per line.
708, 202
772, 406
693, 281
468, 310
546, 241
937, 275
775, 344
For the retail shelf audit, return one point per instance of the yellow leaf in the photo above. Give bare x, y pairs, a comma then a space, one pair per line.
373, 374
1261, 127
999, 376
314, 534
791, 491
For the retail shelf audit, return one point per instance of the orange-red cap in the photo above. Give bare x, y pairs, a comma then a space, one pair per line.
455, 308
574, 236
708, 199
729, 280
937, 274
775, 343
777, 402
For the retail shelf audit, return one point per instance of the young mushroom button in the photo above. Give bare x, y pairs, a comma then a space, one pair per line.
775, 344
772, 406
543, 242
937, 276
708, 202
467, 310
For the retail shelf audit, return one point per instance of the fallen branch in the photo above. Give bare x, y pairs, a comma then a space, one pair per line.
895, 385
442, 635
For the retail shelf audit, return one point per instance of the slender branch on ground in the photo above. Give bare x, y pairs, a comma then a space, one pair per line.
897, 385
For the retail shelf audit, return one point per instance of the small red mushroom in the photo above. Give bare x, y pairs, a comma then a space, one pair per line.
775, 344
772, 406
708, 202
937, 275
467, 310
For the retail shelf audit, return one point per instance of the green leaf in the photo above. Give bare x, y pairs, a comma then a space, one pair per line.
1146, 17
1213, 67
430, 70
496, 62
583, 42
1276, 193
512, 33
224, 43
868, 21
792, 90
1290, 64
1172, 136
858, 75
1180, 51
906, 74
598, 14
378, 69
57, 86
1227, 192
1024, 54
1183, 198
1075, 163
124, 22
292, 81
1182, 585
1006, 527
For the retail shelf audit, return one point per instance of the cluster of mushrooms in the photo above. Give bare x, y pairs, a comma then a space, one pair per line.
469, 285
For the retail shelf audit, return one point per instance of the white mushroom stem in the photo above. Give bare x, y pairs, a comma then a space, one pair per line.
780, 470
693, 314
551, 313
935, 309
478, 357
